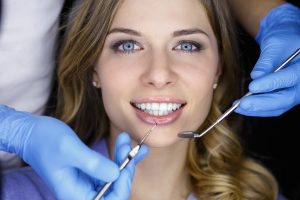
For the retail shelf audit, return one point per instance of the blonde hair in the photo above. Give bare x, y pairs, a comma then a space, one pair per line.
216, 164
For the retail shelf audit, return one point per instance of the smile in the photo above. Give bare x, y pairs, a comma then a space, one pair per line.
162, 112
158, 109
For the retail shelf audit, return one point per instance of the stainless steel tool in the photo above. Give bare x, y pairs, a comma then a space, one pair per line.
193, 134
130, 156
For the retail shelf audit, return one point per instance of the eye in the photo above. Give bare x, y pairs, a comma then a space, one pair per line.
126, 46
188, 46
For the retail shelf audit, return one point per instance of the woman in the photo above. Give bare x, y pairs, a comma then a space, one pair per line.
153, 55
128, 64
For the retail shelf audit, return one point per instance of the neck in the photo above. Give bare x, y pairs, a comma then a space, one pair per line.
162, 174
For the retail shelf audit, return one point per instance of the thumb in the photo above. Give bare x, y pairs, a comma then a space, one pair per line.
266, 62
92, 163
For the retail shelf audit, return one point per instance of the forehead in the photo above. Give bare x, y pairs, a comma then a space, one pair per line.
161, 14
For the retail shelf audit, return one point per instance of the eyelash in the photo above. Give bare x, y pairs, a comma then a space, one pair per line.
116, 46
196, 47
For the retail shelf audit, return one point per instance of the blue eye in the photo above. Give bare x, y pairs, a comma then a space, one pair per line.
188, 46
127, 46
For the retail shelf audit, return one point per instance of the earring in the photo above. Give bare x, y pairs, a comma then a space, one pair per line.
94, 83
215, 85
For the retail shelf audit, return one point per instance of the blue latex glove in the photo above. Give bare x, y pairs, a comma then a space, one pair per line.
121, 189
54, 151
278, 37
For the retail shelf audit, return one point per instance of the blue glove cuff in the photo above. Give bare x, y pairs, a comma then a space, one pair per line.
15, 128
284, 13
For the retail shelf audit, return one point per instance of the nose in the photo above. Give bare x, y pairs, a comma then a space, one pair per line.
159, 72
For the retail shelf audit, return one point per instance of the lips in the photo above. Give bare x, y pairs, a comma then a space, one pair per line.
160, 112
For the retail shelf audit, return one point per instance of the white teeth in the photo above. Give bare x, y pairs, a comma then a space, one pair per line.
158, 109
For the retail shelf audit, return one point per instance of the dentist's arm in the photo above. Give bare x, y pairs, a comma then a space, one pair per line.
56, 153
250, 13
276, 27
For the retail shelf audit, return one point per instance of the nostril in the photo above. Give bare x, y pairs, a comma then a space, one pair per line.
160, 80
159, 75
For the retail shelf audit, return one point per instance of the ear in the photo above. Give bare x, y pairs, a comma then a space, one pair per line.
96, 79
218, 74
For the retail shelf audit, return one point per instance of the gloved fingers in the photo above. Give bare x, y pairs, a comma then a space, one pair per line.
269, 104
273, 113
285, 78
92, 163
122, 148
141, 154
122, 186
274, 52
267, 61
71, 183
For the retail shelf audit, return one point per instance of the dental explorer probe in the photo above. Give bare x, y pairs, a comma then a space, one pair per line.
129, 157
193, 134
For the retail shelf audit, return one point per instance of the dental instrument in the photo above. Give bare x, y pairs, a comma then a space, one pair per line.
129, 157
194, 134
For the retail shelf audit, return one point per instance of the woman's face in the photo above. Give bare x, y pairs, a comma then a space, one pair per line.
158, 64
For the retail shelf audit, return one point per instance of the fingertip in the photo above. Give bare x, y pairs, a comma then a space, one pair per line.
123, 137
256, 74
254, 87
142, 153
241, 111
235, 102
121, 153
100, 167
238, 110
245, 104
144, 150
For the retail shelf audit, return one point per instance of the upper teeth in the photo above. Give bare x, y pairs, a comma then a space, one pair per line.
158, 109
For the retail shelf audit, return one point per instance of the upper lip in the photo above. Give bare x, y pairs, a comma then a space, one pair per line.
158, 100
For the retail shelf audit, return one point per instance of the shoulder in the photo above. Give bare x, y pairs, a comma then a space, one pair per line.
29, 31
24, 183
280, 197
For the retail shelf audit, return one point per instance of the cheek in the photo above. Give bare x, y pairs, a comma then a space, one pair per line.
200, 100
117, 84
113, 86
198, 85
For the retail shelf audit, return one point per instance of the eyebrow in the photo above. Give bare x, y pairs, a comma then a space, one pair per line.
175, 33
124, 30
189, 32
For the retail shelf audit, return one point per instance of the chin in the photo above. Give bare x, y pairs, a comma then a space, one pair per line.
157, 140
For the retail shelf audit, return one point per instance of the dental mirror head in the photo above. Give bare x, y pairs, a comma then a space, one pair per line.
187, 134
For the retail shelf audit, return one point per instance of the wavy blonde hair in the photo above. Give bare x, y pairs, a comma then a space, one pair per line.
217, 166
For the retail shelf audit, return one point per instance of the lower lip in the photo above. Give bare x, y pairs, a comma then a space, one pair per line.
160, 120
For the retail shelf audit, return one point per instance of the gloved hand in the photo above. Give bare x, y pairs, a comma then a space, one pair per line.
54, 151
278, 37
121, 189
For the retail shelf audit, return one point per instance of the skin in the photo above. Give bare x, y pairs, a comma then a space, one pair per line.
159, 66
249, 13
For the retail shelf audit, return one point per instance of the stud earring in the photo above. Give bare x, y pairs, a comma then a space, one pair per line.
215, 85
94, 83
